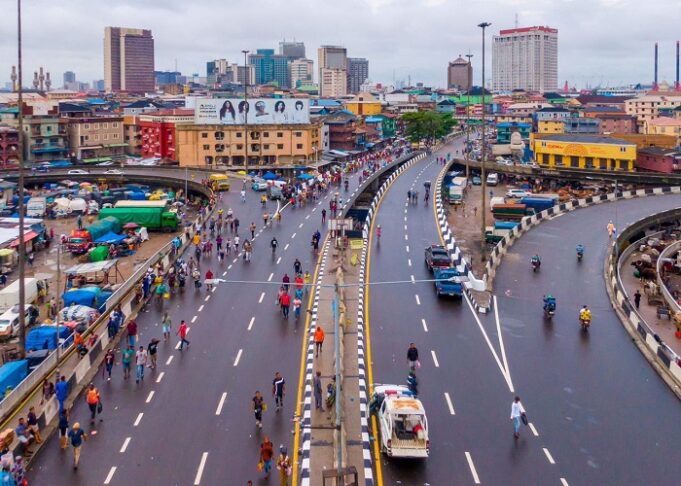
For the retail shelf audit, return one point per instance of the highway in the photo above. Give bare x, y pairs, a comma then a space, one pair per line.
189, 421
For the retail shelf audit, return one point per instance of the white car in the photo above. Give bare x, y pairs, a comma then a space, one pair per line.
105, 164
114, 172
77, 172
517, 193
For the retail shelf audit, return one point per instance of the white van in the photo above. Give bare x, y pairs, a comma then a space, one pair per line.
493, 179
9, 296
36, 207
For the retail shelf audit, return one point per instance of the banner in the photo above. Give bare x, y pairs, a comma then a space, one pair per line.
260, 111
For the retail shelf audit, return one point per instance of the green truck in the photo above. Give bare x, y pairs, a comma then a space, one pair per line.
151, 218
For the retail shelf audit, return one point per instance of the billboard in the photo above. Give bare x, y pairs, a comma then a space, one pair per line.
261, 111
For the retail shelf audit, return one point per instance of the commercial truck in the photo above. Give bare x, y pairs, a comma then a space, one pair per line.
538, 204
457, 190
151, 218
402, 421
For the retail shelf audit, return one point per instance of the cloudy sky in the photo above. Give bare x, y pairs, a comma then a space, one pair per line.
601, 42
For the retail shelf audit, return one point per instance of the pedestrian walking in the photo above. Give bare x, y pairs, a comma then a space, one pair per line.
611, 229
141, 357
413, 357
182, 332
258, 407
152, 351
637, 298
284, 466
517, 413
62, 391
266, 455
307, 280
132, 332
252, 228
109, 361
77, 436
318, 339
128, 354
323, 216
166, 323
297, 304
63, 429
278, 390
317, 388
93, 400
297, 267
285, 304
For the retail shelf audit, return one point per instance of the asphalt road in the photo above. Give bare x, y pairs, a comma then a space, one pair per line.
189, 421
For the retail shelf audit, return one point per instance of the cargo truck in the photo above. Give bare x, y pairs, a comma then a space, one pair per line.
538, 204
151, 218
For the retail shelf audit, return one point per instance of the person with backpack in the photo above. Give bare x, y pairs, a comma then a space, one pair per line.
93, 401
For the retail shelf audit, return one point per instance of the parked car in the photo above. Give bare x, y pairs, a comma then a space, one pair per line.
9, 321
259, 185
77, 172
114, 172
437, 256
108, 163
477, 181
517, 193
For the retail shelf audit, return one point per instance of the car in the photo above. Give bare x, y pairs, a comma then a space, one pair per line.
9, 321
77, 172
259, 185
105, 164
517, 193
437, 256
402, 422
114, 172
477, 181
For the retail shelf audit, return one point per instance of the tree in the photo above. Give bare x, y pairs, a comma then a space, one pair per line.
427, 126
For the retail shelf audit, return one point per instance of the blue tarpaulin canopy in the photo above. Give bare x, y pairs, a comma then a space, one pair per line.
110, 238
305, 177
270, 176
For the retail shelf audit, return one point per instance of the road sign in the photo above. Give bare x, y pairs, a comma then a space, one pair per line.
340, 224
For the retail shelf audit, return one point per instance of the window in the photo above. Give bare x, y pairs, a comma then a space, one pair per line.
204, 134
206, 147
209, 159
559, 160
280, 146
87, 137
220, 147
86, 126
114, 125
239, 146
299, 146
604, 164
280, 134
255, 135
298, 134
266, 134
105, 126
545, 159
266, 146
106, 136
239, 135
219, 135
115, 136
574, 161
623, 149
255, 147
589, 164
96, 137
96, 126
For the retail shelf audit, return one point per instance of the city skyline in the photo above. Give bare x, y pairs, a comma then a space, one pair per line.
601, 43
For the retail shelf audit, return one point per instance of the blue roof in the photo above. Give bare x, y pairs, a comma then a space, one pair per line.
373, 119
327, 103
96, 101
513, 124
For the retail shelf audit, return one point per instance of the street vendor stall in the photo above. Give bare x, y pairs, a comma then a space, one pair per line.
99, 273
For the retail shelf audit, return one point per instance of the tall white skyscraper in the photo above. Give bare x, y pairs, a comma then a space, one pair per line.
525, 58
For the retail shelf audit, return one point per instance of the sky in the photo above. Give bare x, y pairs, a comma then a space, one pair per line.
601, 42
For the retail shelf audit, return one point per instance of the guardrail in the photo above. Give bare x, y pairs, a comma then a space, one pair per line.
669, 300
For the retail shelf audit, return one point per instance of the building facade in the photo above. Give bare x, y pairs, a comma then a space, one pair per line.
584, 152
525, 58
358, 73
663, 126
45, 139
132, 136
292, 49
331, 58
459, 74
270, 67
9, 148
364, 104
209, 145
333, 82
301, 72
658, 159
647, 107
617, 124
128, 60
97, 139
158, 134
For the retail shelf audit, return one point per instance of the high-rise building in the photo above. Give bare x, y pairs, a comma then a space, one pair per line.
69, 79
332, 58
358, 72
333, 82
215, 70
301, 72
292, 50
270, 67
525, 58
128, 60
459, 74
98, 85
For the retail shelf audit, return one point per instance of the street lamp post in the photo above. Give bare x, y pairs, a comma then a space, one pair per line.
468, 113
483, 153
245, 110
22, 243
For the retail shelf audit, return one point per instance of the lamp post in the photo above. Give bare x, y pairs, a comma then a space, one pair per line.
483, 152
468, 112
245, 110
22, 243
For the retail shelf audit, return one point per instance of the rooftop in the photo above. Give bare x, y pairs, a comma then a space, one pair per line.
658, 151
665, 122
586, 139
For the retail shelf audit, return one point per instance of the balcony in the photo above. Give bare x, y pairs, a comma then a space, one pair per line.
48, 148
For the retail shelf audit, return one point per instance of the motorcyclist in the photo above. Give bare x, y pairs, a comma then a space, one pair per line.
274, 243
580, 249
378, 231
535, 261
346, 184
549, 302
413, 383
585, 314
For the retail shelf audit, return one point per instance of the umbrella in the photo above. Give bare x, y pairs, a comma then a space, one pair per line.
269, 176
242, 172
252, 174
130, 226
85, 184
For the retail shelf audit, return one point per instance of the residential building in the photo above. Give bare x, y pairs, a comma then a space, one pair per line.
128, 60
584, 152
45, 139
158, 132
663, 126
345, 132
446, 106
525, 58
550, 126
97, 139
98, 85
619, 124
270, 67
132, 135
331, 58
301, 72
333, 82
580, 125
460, 74
647, 107
292, 49
9, 148
506, 129
364, 104
589, 100
282, 144
658, 159
145, 105
552, 113
358, 73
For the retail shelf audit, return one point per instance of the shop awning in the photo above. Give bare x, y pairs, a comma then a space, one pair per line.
28, 236
117, 145
96, 159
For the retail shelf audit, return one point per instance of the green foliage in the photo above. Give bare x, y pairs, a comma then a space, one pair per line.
428, 126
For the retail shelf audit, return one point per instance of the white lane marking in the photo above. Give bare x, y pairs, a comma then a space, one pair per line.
138, 419
194, 319
126, 442
150, 396
437, 364
449, 404
234, 261
474, 473
278, 260
406, 237
250, 324
225, 273
533, 429
405, 226
207, 298
218, 411
549, 456
110, 475
314, 209
200, 308
213, 290
169, 360
564, 482
501, 337
425, 327
269, 279
286, 247
409, 261
407, 247
293, 235
262, 296
199, 472
307, 217
300, 225
238, 357
418, 301
506, 376
405, 220
160, 376
413, 280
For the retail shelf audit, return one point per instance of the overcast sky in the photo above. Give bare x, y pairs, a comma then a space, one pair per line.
601, 42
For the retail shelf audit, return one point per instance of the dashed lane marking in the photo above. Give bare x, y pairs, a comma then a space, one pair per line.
425, 327
262, 296
549, 456
138, 419
474, 473
194, 319
293, 235
286, 247
300, 225
234, 261
564, 482
409, 261
126, 442
170, 359
109, 476
407, 247
406, 237
418, 301
160, 376
150, 396
413, 280
533, 429
228, 268
269, 279
199, 472
250, 324
278, 260
435, 361
449, 404
307, 217
207, 298
238, 357
218, 411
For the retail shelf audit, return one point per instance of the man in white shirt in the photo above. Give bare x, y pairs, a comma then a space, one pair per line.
141, 362
517, 411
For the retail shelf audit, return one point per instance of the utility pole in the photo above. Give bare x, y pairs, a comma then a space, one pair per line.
245, 110
483, 153
22, 209
468, 112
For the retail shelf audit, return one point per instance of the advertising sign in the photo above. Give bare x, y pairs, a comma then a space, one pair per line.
261, 111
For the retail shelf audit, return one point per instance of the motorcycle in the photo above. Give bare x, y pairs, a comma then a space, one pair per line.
535, 264
580, 255
549, 311
585, 323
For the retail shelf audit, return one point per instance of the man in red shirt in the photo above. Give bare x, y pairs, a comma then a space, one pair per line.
285, 303
299, 282
182, 332
132, 333
209, 280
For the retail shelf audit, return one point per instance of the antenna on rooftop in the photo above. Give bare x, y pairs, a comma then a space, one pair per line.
516, 20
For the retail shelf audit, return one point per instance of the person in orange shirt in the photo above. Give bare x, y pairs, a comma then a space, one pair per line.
318, 339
